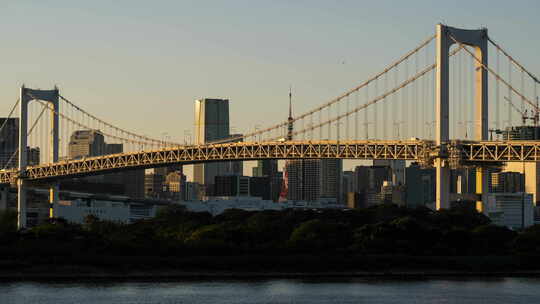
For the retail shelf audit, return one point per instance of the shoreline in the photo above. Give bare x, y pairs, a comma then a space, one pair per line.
165, 276
254, 267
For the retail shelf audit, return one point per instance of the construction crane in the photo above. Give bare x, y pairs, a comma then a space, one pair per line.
534, 117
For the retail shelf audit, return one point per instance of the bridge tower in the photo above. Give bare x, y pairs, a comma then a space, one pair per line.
479, 40
51, 97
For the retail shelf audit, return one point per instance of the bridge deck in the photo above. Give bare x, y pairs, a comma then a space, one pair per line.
466, 151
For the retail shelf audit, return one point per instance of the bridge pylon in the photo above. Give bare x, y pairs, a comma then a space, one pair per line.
446, 36
28, 95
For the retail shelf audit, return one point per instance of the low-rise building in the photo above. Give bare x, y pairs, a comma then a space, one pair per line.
513, 210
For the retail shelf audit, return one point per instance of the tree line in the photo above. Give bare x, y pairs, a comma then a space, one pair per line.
380, 230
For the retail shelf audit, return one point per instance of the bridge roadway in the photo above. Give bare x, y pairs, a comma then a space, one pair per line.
464, 152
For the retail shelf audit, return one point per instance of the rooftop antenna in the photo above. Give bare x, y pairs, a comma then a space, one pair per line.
290, 119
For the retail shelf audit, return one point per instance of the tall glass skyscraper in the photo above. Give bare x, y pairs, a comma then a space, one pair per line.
211, 124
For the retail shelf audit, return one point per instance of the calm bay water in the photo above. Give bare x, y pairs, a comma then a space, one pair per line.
478, 290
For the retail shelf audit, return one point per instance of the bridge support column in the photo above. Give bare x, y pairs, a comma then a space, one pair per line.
27, 95
53, 199
21, 203
482, 175
442, 117
445, 39
443, 185
23, 138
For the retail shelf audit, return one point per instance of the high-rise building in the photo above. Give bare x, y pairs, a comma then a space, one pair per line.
191, 192
9, 145
303, 179
85, 143
372, 197
154, 186
9, 142
175, 183
514, 210
354, 200
266, 167
530, 169
269, 168
521, 133
347, 185
361, 179
393, 194
368, 181
420, 189
211, 124
463, 180
507, 182
377, 176
397, 169
133, 182
258, 187
234, 167
88, 143
232, 185
330, 178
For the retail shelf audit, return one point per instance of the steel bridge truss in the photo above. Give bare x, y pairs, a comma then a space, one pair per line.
460, 153
499, 151
409, 150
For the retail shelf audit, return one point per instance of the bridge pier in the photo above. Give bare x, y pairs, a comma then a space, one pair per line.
482, 188
21, 203
446, 37
53, 198
27, 95
442, 175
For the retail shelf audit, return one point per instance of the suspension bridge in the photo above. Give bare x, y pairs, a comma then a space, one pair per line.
436, 105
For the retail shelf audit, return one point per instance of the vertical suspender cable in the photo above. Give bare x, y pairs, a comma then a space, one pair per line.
406, 104
457, 94
522, 91
466, 96
321, 127
347, 118
396, 101
356, 116
425, 97
497, 94
366, 127
415, 100
375, 120
510, 121
329, 124
311, 126
384, 106
338, 113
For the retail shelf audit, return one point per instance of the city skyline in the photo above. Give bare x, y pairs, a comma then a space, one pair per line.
250, 151
116, 56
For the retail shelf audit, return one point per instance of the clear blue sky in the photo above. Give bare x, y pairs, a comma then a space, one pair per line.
151, 59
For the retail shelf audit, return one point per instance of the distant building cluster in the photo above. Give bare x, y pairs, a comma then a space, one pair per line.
513, 198
88, 143
9, 145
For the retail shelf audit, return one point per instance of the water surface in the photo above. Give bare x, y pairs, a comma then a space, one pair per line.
459, 291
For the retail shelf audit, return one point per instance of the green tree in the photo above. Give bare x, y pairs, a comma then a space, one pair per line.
320, 235
492, 239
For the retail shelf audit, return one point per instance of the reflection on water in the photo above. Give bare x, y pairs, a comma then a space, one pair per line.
478, 290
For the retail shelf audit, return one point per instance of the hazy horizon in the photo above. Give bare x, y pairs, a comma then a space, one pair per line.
161, 56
